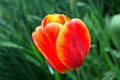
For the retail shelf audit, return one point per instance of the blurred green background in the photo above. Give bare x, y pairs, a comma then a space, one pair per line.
20, 60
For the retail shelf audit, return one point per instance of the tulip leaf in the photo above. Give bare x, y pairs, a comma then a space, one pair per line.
10, 44
109, 76
33, 60
114, 52
115, 30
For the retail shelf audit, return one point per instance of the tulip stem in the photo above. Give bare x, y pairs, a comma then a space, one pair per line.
57, 76
76, 72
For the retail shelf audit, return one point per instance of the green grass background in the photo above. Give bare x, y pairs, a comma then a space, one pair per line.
20, 60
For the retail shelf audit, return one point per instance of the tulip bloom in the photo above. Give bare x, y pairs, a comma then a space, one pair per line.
64, 42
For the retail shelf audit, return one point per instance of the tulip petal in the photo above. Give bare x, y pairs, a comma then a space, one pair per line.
73, 43
55, 18
44, 39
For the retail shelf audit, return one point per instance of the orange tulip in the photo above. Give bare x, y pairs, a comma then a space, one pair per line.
64, 42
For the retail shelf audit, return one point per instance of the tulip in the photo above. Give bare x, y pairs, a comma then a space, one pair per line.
64, 42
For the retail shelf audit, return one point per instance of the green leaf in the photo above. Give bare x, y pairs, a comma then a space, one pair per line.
10, 44
109, 76
115, 30
33, 60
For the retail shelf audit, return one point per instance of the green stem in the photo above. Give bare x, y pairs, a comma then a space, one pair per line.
57, 76
76, 72
72, 7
